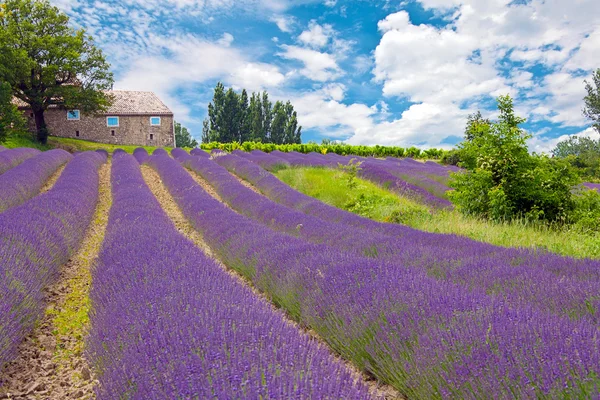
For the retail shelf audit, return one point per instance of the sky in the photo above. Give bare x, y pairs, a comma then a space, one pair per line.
405, 73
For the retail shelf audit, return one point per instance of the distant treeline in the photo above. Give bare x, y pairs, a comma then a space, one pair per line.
234, 117
338, 148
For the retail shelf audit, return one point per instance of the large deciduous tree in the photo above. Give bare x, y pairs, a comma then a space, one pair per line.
592, 100
11, 119
48, 63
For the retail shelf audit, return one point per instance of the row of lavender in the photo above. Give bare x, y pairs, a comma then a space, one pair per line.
167, 322
13, 157
552, 283
407, 328
425, 181
36, 238
26, 179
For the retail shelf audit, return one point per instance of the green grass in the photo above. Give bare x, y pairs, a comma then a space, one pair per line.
23, 140
372, 201
71, 145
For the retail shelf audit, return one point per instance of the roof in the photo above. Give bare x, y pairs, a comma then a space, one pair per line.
128, 102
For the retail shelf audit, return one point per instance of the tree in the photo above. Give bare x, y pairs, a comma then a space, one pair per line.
592, 100
256, 117
505, 181
230, 127
278, 124
293, 132
206, 137
238, 118
582, 152
11, 119
267, 118
183, 137
245, 122
47, 63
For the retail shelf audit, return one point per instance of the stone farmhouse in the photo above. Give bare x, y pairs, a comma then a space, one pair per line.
134, 118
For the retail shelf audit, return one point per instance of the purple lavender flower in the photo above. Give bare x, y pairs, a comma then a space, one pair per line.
141, 155
26, 179
167, 322
448, 317
13, 157
36, 238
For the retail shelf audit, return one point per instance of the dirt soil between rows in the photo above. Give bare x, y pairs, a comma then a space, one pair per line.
50, 366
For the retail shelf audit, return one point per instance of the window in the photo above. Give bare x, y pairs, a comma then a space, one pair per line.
112, 121
73, 115
151, 136
155, 121
112, 133
77, 133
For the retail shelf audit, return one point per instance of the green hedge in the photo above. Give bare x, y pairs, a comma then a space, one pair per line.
342, 149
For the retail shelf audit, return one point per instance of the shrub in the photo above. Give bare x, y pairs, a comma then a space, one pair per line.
503, 181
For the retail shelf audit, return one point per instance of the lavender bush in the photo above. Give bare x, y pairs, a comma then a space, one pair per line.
141, 155
168, 323
36, 238
440, 257
592, 185
430, 326
13, 157
26, 179
199, 152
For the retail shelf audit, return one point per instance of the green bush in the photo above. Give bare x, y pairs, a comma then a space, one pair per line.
503, 181
586, 215
450, 157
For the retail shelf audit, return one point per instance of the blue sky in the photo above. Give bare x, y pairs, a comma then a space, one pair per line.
366, 72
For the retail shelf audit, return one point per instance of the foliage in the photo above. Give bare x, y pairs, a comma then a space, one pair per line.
337, 148
351, 170
592, 100
237, 118
503, 180
183, 138
11, 120
586, 215
582, 153
48, 63
450, 157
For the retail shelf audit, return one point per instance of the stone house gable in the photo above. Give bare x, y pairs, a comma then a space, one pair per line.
135, 118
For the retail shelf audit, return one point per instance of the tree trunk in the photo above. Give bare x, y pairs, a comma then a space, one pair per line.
40, 126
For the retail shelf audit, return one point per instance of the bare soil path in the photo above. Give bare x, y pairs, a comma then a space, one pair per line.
51, 364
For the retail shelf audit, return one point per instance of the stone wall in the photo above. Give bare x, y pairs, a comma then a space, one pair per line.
132, 129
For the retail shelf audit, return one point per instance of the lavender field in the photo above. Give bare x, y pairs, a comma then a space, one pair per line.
205, 276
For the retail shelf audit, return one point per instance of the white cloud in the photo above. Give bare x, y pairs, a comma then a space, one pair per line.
165, 75
425, 63
316, 36
284, 23
317, 66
